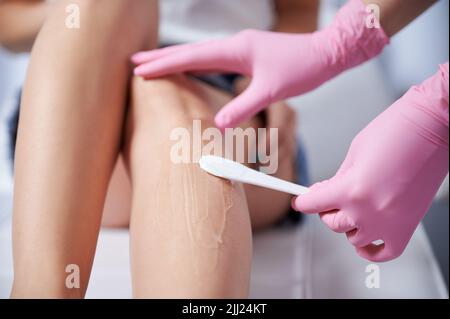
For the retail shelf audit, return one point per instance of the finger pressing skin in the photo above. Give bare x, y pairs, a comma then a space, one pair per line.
214, 56
148, 56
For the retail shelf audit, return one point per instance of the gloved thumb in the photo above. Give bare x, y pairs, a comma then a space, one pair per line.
322, 197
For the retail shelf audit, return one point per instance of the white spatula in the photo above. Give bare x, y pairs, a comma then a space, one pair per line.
225, 168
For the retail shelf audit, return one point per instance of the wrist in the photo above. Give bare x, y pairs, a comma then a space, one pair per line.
426, 107
350, 40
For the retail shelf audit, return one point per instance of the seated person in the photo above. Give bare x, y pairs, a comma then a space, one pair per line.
85, 123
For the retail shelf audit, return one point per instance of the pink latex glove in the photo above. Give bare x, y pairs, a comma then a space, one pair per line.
281, 65
391, 174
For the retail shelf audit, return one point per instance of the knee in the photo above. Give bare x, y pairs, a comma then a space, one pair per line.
169, 102
167, 116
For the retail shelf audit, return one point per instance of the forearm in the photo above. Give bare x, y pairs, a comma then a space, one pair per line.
20, 22
396, 14
296, 16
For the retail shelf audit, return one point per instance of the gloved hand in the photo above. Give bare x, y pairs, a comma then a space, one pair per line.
281, 65
391, 173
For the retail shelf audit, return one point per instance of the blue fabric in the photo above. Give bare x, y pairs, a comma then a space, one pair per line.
303, 177
12, 126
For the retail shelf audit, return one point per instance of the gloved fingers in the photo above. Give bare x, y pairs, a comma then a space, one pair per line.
243, 107
322, 197
213, 57
358, 239
337, 221
148, 56
377, 253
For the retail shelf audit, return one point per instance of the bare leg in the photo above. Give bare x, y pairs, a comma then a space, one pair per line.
266, 206
190, 231
69, 136
117, 209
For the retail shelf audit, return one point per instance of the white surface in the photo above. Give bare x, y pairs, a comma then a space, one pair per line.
288, 262
338, 272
